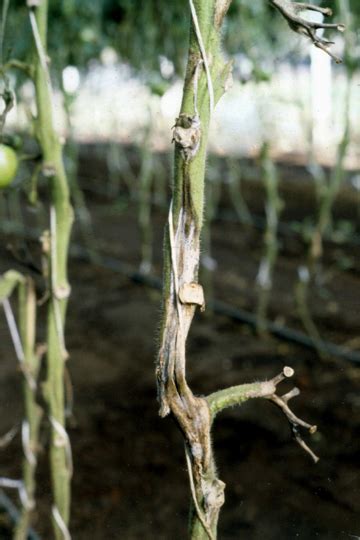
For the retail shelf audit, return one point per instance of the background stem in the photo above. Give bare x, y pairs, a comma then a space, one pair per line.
58, 282
32, 411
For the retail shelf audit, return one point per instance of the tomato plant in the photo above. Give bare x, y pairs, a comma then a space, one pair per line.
8, 165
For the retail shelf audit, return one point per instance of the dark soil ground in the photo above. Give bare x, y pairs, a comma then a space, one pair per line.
130, 480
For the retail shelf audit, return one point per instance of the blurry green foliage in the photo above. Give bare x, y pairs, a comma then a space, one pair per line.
142, 31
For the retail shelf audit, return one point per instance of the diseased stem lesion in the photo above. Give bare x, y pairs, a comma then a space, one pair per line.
182, 293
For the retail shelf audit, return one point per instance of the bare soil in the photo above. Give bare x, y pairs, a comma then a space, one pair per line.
130, 479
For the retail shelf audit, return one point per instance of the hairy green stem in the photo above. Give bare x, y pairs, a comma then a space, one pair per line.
59, 289
235, 395
302, 301
206, 70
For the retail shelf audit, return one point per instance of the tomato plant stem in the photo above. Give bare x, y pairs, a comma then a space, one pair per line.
56, 251
207, 77
32, 411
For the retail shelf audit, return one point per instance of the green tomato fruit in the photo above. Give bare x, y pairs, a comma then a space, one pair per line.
8, 165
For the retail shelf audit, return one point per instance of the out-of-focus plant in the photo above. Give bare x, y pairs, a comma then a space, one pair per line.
71, 158
273, 207
234, 183
29, 358
213, 194
55, 245
148, 175
328, 186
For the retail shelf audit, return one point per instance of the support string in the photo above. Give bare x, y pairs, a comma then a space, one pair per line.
60, 523
42, 57
25, 439
63, 441
15, 337
193, 493
203, 54
19, 485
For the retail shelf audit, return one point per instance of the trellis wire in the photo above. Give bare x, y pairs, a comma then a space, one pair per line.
20, 487
222, 308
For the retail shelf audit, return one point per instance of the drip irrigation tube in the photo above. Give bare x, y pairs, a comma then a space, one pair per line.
258, 221
221, 308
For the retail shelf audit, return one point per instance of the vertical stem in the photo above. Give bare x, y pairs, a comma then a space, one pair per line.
208, 263
32, 411
119, 169
113, 166
235, 191
328, 196
273, 208
72, 160
338, 173
302, 301
182, 292
144, 205
335, 182
15, 213
327, 192
59, 288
